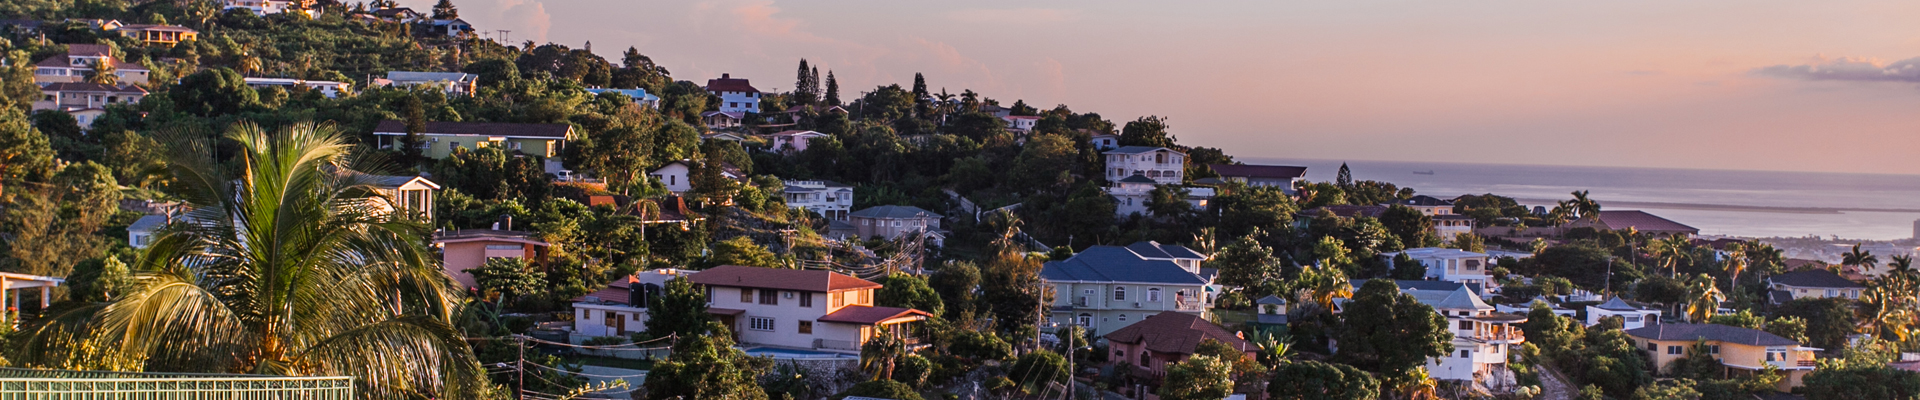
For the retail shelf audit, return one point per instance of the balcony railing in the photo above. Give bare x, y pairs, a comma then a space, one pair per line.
28, 384
1189, 305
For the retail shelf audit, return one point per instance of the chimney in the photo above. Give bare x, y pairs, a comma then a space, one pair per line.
506, 222
726, 76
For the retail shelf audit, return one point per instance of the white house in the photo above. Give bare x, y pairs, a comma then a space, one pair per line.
640, 96
1110, 142
1483, 339
1020, 123
1429, 205
144, 230
330, 89
1632, 316
449, 82
1130, 195
1449, 226
791, 141
621, 307
736, 95
1451, 265
410, 195
675, 176
1105, 288
453, 27
80, 59
85, 116
1280, 176
1811, 283
830, 199
801, 309
1163, 165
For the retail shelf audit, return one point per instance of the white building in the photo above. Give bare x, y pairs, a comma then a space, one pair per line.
1451, 265
66, 96
1163, 165
144, 230
1428, 205
736, 95
1130, 195
828, 198
791, 141
1105, 288
801, 309
1483, 339
1021, 123
640, 96
330, 89
449, 82
1632, 316
621, 307
1280, 176
1110, 142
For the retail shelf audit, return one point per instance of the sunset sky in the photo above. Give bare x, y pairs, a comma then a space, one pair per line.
1766, 85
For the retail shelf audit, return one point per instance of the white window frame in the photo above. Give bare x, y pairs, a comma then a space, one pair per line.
764, 324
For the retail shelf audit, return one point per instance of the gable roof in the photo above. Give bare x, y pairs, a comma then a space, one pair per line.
1271, 299
727, 83
1259, 171
1138, 150
1616, 304
1720, 333
779, 278
1172, 332
1818, 278
1424, 201
430, 76
1457, 299
1643, 221
89, 87
894, 212
147, 223
1117, 264
865, 315
545, 131
91, 50
1152, 249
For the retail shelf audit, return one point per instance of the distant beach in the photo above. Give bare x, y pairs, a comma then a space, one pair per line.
1731, 203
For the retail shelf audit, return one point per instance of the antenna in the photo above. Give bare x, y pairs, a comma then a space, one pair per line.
503, 36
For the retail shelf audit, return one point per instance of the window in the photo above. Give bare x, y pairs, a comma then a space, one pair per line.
1673, 350
452, 145
1651, 346
1153, 294
1085, 320
610, 318
760, 323
1465, 325
1144, 361
1713, 349
1119, 293
806, 299
1833, 292
835, 299
746, 295
1123, 318
806, 327
770, 297
1466, 353
1633, 318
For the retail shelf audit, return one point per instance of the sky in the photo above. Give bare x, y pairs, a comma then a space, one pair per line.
1830, 86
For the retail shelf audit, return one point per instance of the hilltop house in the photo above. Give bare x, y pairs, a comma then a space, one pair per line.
791, 141
736, 95
158, 34
1279, 176
1451, 265
1134, 172
1632, 316
828, 198
1740, 350
793, 115
1164, 339
621, 307
722, 119
1428, 205
1106, 288
1020, 124
330, 89
892, 221
465, 249
1811, 283
1483, 339
677, 175
441, 138
460, 83
452, 27
79, 59
399, 14
1636, 219
1104, 142
640, 97
73, 96
801, 309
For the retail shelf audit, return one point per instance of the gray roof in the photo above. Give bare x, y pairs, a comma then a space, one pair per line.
1457, 299
1439, 292
1616, 304
1152, 249
894, 212
430, 76
1271, 299
1819, 278
1138, 150
1722, 333
148, 223
1117, 264
1424, 200
550, 131
1138, 179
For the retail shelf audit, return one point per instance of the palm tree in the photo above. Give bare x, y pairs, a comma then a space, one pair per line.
1323, 283
1670, 250
286, 267
1703, 298
1766, 256
881, 353
103, 73
1902, 267
1859, 258
1736, 263
1587, 208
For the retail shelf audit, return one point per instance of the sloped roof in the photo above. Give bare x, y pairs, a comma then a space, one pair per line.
482, 235
1271, 299
431, 76
1643, 221
1117, 264
865, 315
1616, 304
1457, 299
66, 61
1152, 249
727, 83
780, 278
1721, 333
89, 87
894, 212
147, 223
546, 131
796, 133
1138, 150
1138, 179
1172, 332
1424, 201
1818, 278
95, 50
1259, 171
148, 27
1348, 211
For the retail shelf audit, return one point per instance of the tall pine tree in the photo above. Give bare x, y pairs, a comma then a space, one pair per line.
803, 93
445, 10
833, 89
1345, 179
919, 86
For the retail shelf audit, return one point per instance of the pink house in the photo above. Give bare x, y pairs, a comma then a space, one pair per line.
466, 249
1167, 338
795, 141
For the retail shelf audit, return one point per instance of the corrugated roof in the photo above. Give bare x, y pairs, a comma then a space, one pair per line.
431, 76
780, 278
894, 212
1721, 333
544, 131
1138, 150
1117, 264
1259, 171
1814, 278
1173, 332
865, 315
89, 87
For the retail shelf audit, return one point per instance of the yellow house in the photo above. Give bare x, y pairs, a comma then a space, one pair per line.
1742, 350
161, 34
441, 138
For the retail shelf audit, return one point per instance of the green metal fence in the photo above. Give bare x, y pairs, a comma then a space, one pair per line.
29, 384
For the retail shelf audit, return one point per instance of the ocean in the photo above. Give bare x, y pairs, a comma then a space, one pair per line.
1718, 202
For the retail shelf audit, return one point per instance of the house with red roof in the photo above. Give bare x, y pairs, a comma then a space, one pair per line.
80, 59
801, 309
1168, 338
736, 94
1638, 220
621, 307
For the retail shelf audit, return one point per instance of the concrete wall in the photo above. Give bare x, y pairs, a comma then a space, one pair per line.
787, 315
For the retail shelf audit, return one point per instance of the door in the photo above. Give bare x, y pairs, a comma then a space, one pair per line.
620, 323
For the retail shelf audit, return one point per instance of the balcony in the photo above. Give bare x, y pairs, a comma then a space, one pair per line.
1800, 364
1189, 305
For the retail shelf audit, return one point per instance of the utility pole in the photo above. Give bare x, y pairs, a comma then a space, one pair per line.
520, 368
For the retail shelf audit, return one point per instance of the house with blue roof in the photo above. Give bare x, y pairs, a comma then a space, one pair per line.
1105, 288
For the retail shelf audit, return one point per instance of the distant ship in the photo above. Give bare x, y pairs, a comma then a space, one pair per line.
1427, 172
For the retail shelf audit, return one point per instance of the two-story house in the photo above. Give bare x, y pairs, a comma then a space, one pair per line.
440, 139
1134, 171
1104, 142
736, 95
1280, 176
1483, 339
1812, 283
1451, 265
80, 59
461, 250
158, 34
892, 221
801, 309
1164, 339
1105, 288
73, 96
1740, 350
621, 307
790, 141
1429, 205
1632, 316
1020, 124
830, 199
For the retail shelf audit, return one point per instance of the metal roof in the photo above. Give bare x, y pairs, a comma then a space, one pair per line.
1117, 264
1721, 333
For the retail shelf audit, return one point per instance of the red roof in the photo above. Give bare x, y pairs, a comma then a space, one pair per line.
865, 315
1172, 332
726, 83
95, 50
1642, 221
62, 61
780, 278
